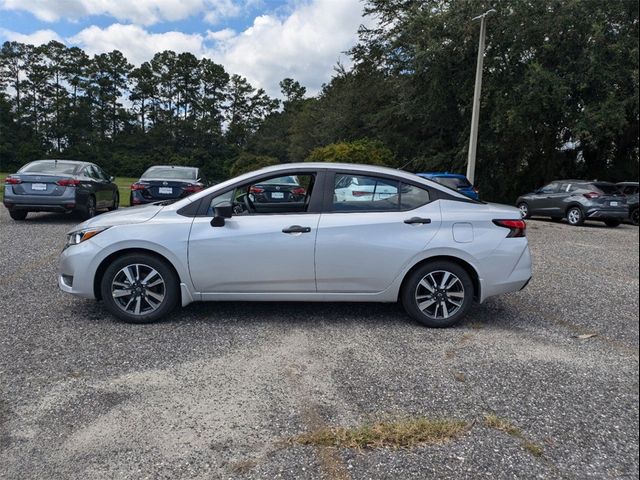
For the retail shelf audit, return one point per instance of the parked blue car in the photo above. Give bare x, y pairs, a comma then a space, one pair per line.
455, 181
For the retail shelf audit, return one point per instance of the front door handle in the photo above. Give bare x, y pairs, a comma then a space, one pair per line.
296, 229
414, 220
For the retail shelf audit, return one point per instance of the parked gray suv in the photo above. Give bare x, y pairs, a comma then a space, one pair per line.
577, 201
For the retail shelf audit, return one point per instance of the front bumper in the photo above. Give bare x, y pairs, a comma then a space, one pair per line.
77, 267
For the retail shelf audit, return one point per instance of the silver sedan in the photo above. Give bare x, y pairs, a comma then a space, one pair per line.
427, 246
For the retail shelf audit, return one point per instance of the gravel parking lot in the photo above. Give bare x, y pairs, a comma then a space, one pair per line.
216, 391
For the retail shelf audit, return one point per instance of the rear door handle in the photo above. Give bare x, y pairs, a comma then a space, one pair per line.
414, 220
296, 229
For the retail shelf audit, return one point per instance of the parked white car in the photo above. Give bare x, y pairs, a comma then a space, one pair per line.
431, 248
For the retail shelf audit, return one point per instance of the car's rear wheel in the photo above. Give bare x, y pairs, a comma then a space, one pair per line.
18, 214
634, 217
438, 294
139, 288
524, 210
89, 209
115, 203
612, 223
575, 216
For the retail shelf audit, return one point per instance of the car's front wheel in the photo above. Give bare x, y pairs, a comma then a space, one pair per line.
634, 217
438, 294
575, 216
139, 288
18, 214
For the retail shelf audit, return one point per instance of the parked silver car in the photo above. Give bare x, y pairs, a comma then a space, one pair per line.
431, 248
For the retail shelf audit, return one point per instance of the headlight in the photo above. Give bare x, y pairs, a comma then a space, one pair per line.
74, 238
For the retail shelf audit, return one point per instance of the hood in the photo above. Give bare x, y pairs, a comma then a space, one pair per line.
125, 216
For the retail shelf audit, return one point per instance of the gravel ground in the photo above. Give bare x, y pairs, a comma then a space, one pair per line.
213, 392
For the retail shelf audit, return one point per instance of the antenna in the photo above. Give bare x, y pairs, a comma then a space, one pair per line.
406, 164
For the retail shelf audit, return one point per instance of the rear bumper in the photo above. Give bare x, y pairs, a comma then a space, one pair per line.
40, 203
138, 199
608, 213
515, 281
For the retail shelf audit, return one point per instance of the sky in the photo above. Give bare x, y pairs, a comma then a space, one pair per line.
262, 40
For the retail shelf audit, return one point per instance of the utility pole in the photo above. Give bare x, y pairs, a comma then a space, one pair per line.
473, 137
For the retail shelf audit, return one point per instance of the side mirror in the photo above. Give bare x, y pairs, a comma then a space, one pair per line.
222, 211
112, 178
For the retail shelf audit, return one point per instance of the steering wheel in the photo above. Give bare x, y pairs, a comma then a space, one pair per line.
248, 203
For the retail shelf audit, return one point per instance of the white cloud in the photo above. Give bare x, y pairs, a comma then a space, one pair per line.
142, 12
305, 45
36, 38
137, 44
221, 35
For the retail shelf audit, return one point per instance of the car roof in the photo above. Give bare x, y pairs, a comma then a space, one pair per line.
172, 166
628, 184
441, 174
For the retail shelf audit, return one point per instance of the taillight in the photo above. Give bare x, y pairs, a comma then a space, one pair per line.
12, 181
139, 186
298, 191
68, 182
193, 187
591, 195
255, 189
357, 193
517, 228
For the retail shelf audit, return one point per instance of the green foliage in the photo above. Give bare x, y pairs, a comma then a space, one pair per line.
246, 162
363, 151
559, 99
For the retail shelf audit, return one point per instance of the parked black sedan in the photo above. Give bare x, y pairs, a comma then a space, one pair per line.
166, 182
59, 186
577, 201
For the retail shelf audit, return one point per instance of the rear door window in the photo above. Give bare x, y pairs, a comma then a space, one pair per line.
365, 193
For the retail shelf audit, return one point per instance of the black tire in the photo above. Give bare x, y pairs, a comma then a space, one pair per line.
18, 214
612, 223
575, 216
169, 289
116, 202
524, 207
413, 290
634, 216
89, 209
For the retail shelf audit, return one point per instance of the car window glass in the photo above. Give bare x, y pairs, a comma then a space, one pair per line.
51, 166
91, 172
566, 187
101, 174
364, 193
269, 195
412, 197
551, 188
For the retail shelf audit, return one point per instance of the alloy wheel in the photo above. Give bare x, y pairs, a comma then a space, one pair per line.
574, 216
138, 289
439, 295
524, 210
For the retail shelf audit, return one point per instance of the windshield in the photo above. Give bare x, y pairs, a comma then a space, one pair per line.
170, 173
51, 166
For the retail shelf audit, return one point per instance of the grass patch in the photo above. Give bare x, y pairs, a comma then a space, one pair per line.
497, 423
405, 433
123, 183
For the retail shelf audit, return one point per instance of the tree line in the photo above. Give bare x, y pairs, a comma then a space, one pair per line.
560, 99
